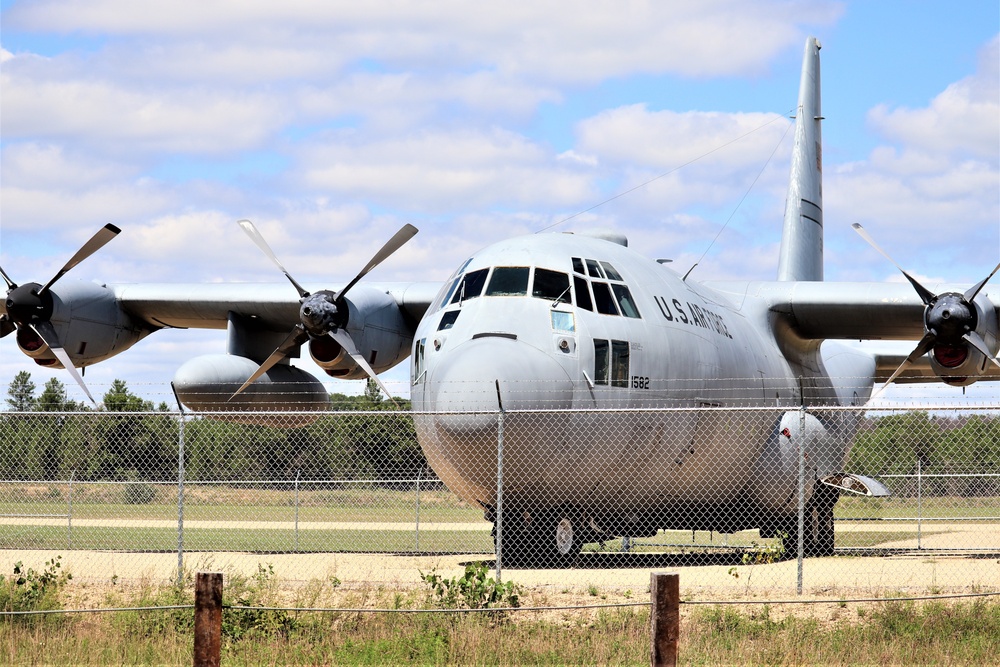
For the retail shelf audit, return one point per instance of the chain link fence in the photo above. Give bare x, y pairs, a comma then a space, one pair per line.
780, 497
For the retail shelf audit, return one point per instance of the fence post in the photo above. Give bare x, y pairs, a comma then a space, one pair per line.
919, 502
69, 513
802, 499
207, 619
180, 497
297, 473
665, 617
498, 525
416, 521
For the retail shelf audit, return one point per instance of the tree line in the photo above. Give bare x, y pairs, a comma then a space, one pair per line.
919, 441
117, 443
366, 438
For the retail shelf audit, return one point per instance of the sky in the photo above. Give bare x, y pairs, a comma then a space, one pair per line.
332, 124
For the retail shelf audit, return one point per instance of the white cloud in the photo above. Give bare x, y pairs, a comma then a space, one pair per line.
100, 113
536, 38
960, 121
443, 170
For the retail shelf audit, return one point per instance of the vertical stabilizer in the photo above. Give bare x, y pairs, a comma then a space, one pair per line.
801, 256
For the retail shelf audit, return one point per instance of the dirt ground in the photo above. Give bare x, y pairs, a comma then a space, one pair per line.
836, 577
937, 567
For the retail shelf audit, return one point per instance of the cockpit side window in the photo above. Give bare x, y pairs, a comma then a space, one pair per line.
604, 302
471, 286
508, 281
594, 269
448, 294
551, 285
582, 293
610, 272
578, 266
601, 361
625, 301
619, 363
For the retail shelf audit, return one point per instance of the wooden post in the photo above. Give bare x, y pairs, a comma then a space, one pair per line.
665, 617
207, 619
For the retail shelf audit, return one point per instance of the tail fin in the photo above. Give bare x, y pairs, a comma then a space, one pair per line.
801, 256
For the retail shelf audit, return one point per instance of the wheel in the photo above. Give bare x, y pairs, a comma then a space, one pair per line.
567, 542
819, 532
539, 539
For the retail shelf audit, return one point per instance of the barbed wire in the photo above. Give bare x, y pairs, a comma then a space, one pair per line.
611, 605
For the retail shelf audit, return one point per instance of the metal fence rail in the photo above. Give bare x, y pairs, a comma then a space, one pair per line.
591, 490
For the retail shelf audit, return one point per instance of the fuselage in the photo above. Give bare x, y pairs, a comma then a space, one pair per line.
603, 362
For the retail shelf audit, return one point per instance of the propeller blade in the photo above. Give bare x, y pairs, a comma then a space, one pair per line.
10, 283
925, 294
405, 233
920, 350
255, 236
47, 333
976, 341
345, 341
971, 293
96, 242
296, 337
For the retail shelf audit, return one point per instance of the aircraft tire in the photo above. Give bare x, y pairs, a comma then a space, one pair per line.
824, 501
819, 530
567, 542
549, 540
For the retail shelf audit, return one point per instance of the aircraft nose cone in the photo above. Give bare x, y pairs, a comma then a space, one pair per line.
465, 378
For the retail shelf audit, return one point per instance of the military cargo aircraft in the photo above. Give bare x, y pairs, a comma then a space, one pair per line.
619, 380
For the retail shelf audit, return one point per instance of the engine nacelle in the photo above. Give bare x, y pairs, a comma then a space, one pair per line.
90, 325
376, 326
961, 364
206, 383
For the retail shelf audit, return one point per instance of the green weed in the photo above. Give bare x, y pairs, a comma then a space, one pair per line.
29, 590
473, 590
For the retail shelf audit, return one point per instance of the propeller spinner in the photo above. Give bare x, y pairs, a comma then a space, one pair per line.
950, 321
323, 313
28, 308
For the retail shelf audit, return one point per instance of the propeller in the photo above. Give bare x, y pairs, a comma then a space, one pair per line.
29, 306
949, 318
323, 313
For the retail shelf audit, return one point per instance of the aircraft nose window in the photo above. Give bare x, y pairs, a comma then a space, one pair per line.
594, 269
448, 320
508, 281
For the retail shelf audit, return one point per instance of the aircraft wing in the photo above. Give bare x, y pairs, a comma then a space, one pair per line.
856, 311
846, 311
273, 305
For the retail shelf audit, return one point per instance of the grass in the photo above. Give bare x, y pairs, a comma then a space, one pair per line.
929, 633
361, 540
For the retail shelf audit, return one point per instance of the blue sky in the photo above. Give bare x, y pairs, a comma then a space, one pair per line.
331, 124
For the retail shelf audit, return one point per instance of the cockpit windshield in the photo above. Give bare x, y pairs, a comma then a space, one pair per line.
508, 281
594, 285
551, 285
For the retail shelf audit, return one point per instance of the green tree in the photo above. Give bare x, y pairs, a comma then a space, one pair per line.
21, 393
119, 399
54, 398
373, 393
